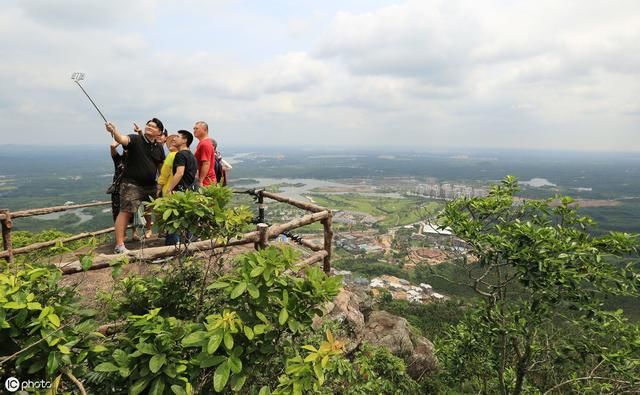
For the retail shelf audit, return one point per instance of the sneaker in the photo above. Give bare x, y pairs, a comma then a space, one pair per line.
121, 249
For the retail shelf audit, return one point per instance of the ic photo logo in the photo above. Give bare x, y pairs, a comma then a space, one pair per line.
13, 384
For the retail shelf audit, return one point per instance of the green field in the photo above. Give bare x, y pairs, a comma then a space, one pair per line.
396, 211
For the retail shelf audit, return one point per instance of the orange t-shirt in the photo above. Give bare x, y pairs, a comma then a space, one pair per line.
206, 153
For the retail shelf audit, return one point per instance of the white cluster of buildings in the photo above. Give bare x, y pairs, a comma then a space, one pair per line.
357, 245
402, 289
448, 191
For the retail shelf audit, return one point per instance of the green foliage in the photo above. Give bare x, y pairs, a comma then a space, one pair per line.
373, 370
307, 374
176, 292
262, 282
202, 214
247, 340
42, 327
432, 320
542, 276
149, 357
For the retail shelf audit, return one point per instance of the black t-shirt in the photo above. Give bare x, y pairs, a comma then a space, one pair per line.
143, 161
185, 158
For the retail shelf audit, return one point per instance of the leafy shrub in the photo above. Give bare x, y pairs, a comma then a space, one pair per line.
43, 331
203, 215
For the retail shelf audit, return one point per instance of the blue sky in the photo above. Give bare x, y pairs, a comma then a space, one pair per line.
505, 74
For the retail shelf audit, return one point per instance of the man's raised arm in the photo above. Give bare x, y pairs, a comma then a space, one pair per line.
117, 136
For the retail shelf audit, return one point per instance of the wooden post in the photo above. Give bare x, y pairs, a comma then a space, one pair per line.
261, 207
7, 224
328, 240
263, 231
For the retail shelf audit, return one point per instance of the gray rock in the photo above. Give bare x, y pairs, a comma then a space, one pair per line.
393, 333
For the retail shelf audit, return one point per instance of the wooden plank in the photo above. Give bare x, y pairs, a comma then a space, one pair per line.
302, 205
47, 210
44, 244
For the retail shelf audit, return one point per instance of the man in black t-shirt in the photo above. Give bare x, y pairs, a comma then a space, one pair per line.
144, 159
185, 165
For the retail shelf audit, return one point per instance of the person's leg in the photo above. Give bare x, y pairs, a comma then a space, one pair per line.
149, 226
130, 198
121, 226
149, 192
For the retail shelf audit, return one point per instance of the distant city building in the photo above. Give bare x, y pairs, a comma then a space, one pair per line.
446, 191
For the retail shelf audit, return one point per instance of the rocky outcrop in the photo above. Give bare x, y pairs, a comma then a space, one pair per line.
345, 309
389, 331
353, 309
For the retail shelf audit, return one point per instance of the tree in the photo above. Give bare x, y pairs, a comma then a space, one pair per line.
541, 276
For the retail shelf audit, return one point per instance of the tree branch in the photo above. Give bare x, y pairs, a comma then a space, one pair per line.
73, 378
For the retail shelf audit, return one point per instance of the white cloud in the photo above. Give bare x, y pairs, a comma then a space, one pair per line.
518, 74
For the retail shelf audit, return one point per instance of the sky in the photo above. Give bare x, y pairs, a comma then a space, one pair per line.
542, 74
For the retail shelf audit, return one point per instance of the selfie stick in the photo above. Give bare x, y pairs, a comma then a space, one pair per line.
77, 77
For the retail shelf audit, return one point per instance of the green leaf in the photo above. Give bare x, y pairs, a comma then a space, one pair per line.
15, 305
235, 364
283, 316
214, 341
124, 372
319, 373
257, 271
248, 332
98, 348
52, 363
259, 329
212, 360
146, 348
157, 387
253, 291
34, 306
238, 290
121, 357
139, 386
220, 377
262, 317
36, 366
54, 319
178, 390
166, 214
228, 340
264, 390
106, 367
237, 382
156, 362
64, 349
194, 339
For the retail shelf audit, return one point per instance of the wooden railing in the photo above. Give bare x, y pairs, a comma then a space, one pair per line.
260, 237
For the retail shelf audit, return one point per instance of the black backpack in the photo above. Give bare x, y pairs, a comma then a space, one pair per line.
220, 173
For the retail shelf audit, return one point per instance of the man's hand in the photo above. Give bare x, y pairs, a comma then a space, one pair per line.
111, 128
136, 128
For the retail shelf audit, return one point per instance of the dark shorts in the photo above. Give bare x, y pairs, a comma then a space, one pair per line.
131, 196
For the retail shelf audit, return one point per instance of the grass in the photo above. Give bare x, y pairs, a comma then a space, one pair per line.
396, 211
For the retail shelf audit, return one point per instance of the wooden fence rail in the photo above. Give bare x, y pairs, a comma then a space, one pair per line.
259, 238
